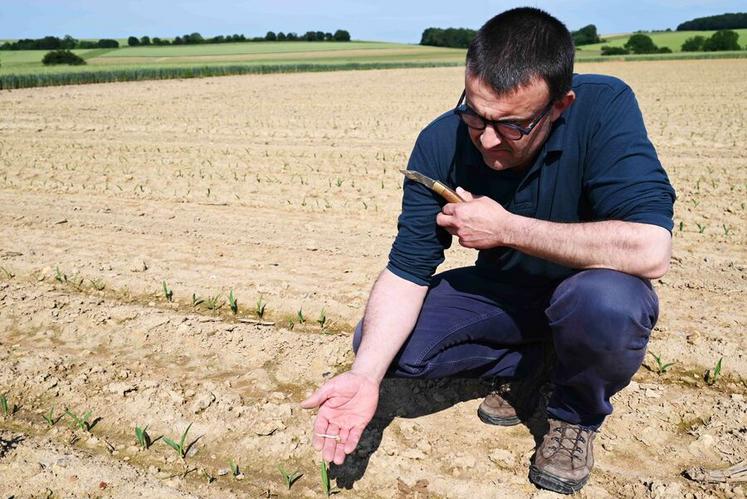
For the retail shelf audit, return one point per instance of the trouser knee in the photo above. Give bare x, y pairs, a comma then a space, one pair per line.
599, 311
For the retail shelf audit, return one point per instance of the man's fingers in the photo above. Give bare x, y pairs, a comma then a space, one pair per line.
354, 437
445, 221
330, 444
464, 194
448, 208
317, 398
320, 428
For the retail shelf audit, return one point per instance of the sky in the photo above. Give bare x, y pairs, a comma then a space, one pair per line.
387, 20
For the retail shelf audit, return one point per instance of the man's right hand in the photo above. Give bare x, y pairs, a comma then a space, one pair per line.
346, 405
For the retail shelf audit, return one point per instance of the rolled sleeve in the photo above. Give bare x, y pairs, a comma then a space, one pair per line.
624, 179
419, 246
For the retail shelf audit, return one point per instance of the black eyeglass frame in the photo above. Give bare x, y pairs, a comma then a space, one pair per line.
500, 126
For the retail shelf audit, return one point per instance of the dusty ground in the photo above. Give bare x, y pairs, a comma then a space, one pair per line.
285, 188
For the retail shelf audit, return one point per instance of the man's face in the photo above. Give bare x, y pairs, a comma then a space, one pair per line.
498, 152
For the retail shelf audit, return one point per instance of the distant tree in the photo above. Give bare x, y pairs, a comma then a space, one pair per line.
320, 36
341, 35
722, 21
693, 44
271, 36
193, 39
133, 41
62, 57
68, 42
607, 50
449, 37
641, 44
309, 36
159, 41
87, 44
291, 37
281, 36
586, 35
178, 41
724, 39
107, 43
145, 40
664, 50
328, 37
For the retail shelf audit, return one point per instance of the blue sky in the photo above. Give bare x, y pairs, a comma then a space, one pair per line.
388, 20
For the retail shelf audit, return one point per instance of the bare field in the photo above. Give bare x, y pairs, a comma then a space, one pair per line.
285, 188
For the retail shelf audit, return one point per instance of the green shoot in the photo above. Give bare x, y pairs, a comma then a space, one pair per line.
80, 422
214, 302
682, 225
179, 447
168, 293
322, 320
4, 405
234, 468
712, 377
59, 276
210, 478
50, 418
8, 273
233, 303
142, 437
701, 227
301, 318
289, 478
260, 309
727, 229
326, 486
97, 284
196, 300
661, 368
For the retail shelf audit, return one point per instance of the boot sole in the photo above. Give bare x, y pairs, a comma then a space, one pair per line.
494, 420
551, 482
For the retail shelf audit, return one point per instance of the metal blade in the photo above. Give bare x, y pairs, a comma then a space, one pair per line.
419, 177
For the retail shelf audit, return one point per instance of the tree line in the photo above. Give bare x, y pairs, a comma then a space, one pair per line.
723, 21
54, 43
640, 43
461, 37
340, 35
69, 43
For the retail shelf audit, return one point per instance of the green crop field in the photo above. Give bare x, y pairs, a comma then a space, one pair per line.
671, 39
24, 68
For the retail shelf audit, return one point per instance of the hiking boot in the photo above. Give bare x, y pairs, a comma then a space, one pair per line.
510, 404
564, 459
516, 401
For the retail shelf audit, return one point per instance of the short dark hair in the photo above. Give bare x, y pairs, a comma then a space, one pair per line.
520, 45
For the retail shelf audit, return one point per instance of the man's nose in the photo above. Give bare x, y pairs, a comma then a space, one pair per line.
489, 138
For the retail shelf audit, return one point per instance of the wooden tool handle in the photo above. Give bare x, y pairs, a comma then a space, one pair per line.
446, 193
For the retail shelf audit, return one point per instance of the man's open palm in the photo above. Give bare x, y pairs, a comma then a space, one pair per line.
346, 405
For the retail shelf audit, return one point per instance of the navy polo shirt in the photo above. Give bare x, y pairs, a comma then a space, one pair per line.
596, 164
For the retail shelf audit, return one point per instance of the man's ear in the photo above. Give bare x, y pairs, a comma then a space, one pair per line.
562, 104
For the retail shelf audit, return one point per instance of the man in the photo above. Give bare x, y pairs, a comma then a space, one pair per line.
571, 212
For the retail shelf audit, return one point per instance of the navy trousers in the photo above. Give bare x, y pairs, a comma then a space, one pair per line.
598, 322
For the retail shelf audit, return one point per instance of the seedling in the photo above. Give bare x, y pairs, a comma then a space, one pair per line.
301, 318
727, 229
50, 418
322, 320
142, 437
168, 293
214, 302
712, 377
97, 284
661, 368
701, 228
326, 486
179, 447
210, 478
80, 422
289, 478
682, 225
4, 406
234, 468
196, 300
260, 308
233, 303
59, 276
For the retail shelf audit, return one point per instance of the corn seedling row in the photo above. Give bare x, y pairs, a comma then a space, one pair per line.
142, 437
179, 447
81, 422
711, 377
289, 478
661, 367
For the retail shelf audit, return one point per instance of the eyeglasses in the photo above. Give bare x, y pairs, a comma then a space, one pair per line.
506, 128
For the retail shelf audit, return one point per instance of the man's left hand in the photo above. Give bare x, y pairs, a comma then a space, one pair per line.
479, 222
